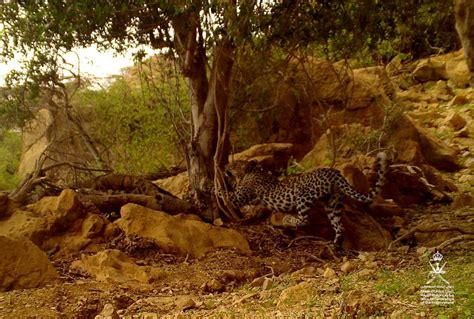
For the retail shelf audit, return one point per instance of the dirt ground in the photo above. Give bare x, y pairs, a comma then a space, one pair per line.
284, 277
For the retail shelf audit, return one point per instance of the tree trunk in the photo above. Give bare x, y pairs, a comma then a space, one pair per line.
208, 101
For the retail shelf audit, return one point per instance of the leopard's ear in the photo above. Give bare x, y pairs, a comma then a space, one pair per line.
251, 166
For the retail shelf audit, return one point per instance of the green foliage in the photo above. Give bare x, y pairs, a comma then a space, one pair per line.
134, 123
10, 151
371, 29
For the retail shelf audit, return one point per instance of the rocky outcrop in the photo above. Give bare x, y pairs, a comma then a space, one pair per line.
270, 155
464, 13
59, 224
416, 145
116, 267
23, 265
177, 185
451, 66
178, 234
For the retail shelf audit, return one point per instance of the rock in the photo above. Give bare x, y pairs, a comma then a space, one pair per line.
108, 312
398, 222
455, 120
458, 99
60, 211
214, 285
403, 249
279, 152
35, 140
177, 235
27, 224
177, 185
421, 250
185, 303
329, 273
297, 295
362, 302
366, 273
23, 265
372, 264
267, 283
347, 267
428, 148
441, 91
93, 225
363, 232
114, 266
398, 314
430, 70
304, 272
463, 200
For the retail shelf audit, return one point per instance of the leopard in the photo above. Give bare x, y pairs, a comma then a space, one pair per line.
299, 193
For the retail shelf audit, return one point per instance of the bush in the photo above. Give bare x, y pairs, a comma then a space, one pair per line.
133, 120
10, 151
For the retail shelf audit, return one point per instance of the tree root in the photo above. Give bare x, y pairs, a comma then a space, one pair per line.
436, 227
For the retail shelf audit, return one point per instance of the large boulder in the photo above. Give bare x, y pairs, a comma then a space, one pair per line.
451, 66
416, 145
114, 266
178, 234
57, 224
60, 211
177, 185
23, 265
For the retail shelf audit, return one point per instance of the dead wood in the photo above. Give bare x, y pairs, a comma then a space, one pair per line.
125, 183
428, 227
161, 202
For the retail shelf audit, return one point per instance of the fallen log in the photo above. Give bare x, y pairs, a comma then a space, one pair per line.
162, 202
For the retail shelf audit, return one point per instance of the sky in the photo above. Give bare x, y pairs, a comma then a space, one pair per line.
92, 62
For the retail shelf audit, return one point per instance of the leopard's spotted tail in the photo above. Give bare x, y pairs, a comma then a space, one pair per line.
381, 169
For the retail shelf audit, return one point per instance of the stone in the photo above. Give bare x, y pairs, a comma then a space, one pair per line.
297, 295
458, 99
23, 265
267, 283
366, 273
271, 156
463, 200
430, 70
177, 185
363, 232
108, 312
114, 266
455, 120
421, 250
60, 211
93, 225
177, 235
398, 222
347, 267
361, 300
329, 273
304, 272
185, 303
432, 150
214, 285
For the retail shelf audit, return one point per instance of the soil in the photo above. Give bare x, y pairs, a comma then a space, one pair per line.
226, 283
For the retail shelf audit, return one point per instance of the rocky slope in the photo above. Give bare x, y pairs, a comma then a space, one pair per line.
148, 264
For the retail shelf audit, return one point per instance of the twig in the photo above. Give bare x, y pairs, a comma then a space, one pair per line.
314, 257
427, 227
319, 240
455, 240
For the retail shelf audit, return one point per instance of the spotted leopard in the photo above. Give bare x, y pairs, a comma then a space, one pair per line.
301, 192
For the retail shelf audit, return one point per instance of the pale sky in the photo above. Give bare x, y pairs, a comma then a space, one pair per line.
92, 62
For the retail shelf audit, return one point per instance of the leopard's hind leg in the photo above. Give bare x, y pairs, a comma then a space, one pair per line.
334, 213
